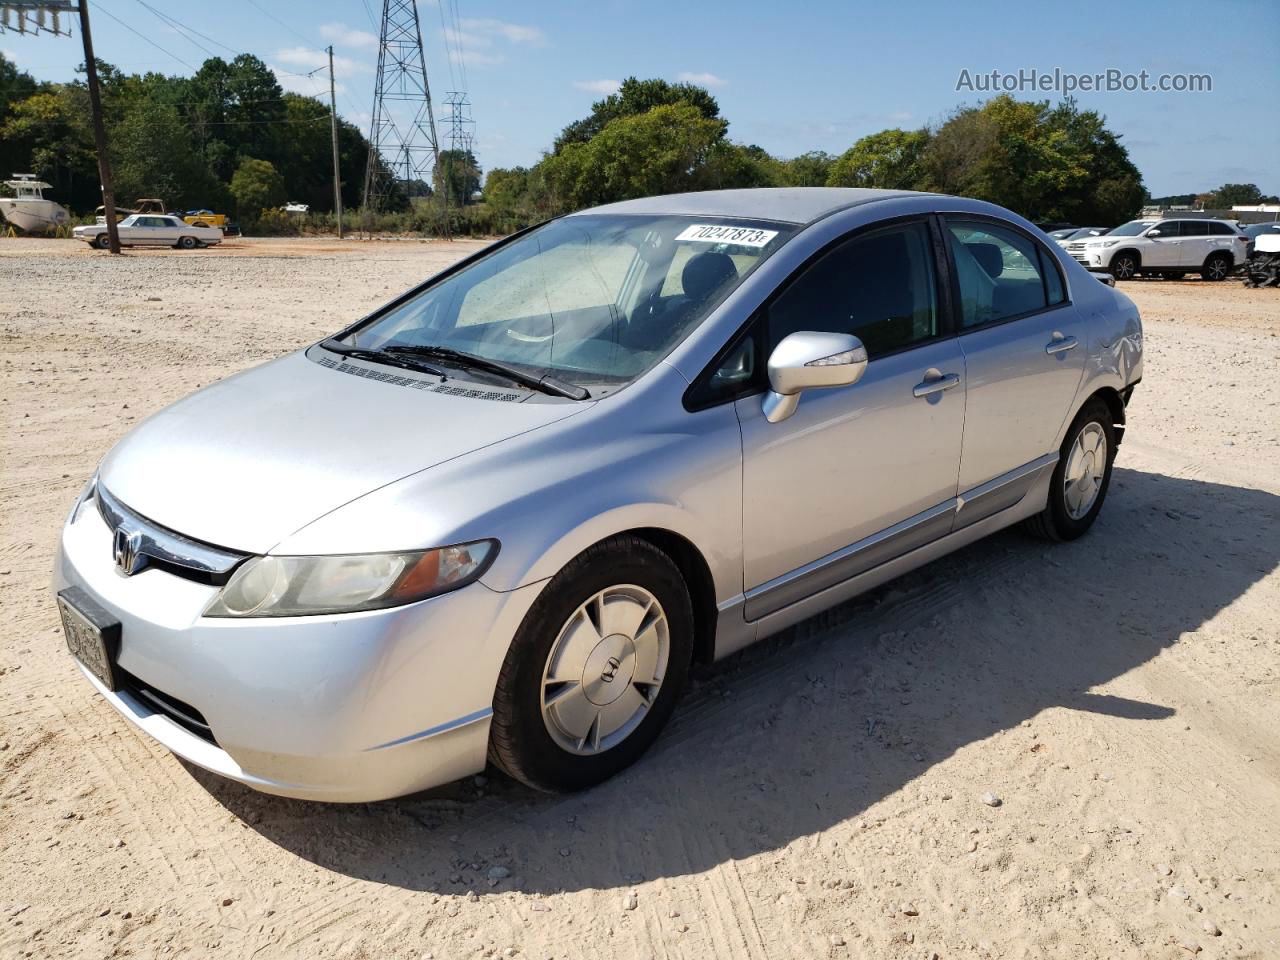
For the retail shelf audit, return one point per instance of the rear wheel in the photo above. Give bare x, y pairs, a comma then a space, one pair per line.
1124, 266
1217, 267
188, 242
595, 669
1081, 476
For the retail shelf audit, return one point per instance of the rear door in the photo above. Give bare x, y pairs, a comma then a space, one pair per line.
1194, 243
1024, 349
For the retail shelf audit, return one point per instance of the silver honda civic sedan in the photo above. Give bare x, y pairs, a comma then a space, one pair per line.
498, 518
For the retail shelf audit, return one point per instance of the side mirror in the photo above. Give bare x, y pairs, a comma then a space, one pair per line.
1153, 233
806, 360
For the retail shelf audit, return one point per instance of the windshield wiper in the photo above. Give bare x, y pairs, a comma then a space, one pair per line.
545, 384
383, 356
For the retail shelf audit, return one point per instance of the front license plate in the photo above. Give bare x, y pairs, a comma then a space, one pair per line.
93, 635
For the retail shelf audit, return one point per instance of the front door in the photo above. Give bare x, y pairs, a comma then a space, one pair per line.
1024, 348
859, 474
1164, 250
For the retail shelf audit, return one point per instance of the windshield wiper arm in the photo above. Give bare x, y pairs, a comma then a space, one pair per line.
546, 384
383, 356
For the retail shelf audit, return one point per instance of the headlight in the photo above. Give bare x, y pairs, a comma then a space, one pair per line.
1104, 243
304, 586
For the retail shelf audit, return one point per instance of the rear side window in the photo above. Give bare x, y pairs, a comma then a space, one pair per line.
878, 286
1001, 273
1195, 228
1220, 230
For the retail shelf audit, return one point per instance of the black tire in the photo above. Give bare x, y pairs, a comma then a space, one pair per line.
1217, 266
1055, 522
1124, 266
519, 741
101, 241
188, 242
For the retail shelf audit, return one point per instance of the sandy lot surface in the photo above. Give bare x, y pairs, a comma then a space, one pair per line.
819, 795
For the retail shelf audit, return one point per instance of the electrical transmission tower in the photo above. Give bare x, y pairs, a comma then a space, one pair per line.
461, 138
403, 152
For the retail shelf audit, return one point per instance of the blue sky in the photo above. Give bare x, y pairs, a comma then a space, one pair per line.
791, 77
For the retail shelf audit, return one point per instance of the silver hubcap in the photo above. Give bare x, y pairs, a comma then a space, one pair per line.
1124, 268
1217, 269
1086, 466
605, 669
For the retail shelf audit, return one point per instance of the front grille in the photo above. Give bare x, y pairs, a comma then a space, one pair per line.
161, 547
183, 714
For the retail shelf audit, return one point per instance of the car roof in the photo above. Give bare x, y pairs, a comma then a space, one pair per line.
786, 204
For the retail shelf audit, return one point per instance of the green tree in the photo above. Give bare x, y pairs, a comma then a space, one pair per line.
638, 155
636, 97
152, 156
1241, 194
47, 134
733, 166
890, 159
460, 169
256, 185
810, 169
1059, 163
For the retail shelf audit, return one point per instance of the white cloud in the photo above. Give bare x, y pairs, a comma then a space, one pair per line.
344, 36
701, 79
512, 32
307, 59
598, 86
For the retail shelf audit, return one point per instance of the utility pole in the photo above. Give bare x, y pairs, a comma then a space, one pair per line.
333, 129
99, 131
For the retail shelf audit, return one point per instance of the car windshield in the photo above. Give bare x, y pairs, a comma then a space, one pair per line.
594, 298
1063, 234
1131, 229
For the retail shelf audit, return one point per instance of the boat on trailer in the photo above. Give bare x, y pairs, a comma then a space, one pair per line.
28, 209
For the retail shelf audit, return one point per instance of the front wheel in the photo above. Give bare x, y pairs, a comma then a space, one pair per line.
101, 241
1217, 267
1081, 477
1124, 266
595, 669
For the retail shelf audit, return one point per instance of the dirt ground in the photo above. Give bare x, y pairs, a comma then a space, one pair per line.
819, 795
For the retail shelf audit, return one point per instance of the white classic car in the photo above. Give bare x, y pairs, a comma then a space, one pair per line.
151, 230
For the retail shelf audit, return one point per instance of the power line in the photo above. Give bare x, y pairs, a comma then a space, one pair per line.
144, 37
179, 26
287, 26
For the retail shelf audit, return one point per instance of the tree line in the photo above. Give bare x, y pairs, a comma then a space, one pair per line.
227, 138
230, 138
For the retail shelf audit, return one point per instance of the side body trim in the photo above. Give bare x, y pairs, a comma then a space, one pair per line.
1001, 492
869, 552
933, 525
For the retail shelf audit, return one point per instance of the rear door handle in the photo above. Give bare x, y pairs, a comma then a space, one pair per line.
929, 387
1060, 344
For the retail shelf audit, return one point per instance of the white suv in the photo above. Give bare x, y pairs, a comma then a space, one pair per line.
1171, 248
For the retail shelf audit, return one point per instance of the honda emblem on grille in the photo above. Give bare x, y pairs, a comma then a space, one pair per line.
126, 547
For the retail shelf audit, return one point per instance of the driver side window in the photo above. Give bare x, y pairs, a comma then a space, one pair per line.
878, 286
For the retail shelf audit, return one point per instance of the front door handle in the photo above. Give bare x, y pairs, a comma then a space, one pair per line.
1061, 344
935, 385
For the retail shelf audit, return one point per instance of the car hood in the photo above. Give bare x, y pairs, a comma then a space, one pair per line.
245, 462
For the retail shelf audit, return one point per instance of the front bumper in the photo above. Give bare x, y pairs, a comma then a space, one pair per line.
348, 708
